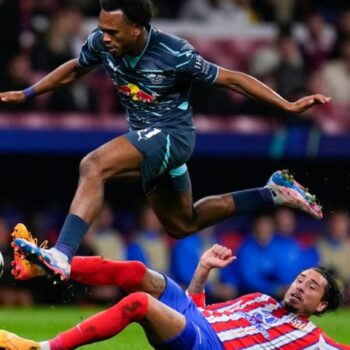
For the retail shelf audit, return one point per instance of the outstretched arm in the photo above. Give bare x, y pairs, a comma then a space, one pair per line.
251, 87
65, 74
217, 256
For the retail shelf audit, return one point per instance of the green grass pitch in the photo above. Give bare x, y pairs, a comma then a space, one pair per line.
44, 323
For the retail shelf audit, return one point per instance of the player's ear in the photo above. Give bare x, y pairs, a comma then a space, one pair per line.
321, 306
137, 31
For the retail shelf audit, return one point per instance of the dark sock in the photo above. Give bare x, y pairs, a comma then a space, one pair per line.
72, 234
252, 200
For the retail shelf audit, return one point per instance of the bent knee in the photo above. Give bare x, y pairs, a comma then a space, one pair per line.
180, 231
135, 305
90, 165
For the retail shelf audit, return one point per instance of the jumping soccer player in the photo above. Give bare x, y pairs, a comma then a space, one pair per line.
175, 320
152, 72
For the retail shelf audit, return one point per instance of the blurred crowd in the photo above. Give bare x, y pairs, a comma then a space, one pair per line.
310, 53
271, 249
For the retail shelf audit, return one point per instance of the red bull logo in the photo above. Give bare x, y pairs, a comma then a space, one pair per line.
135, 93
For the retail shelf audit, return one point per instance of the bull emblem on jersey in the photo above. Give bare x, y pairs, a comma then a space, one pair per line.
136, 93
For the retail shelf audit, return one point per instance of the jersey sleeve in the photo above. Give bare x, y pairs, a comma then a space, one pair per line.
90, 51
198, 299
192, 66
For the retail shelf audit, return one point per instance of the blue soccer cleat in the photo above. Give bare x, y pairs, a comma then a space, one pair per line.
288, 192
54, 262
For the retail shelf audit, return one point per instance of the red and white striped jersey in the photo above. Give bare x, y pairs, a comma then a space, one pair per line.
257, 321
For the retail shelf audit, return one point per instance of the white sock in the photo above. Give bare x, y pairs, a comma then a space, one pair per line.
45, 345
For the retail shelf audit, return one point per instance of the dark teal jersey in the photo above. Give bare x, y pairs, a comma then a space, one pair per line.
154, 87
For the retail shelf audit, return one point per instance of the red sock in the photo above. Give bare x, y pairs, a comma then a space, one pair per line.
104, 325
98, 271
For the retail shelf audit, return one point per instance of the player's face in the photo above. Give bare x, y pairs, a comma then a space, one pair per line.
304, 296
119, 34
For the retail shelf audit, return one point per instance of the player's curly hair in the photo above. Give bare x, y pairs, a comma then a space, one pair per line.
137, 11
333, 294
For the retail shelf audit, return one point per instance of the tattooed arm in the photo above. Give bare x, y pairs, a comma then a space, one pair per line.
216, 257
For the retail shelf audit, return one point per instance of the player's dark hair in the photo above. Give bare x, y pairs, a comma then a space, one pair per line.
137, 11
333, 294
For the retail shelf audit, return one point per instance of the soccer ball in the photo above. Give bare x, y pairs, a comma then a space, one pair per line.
2, 265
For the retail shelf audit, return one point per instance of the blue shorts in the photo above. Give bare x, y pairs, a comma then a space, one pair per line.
198, 334
165, 156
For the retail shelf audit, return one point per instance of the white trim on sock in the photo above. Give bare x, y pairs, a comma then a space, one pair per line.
45, 345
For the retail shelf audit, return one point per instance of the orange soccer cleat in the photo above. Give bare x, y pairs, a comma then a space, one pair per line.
10, 341
23, 269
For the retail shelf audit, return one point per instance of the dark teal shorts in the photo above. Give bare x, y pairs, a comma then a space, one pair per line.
165, 156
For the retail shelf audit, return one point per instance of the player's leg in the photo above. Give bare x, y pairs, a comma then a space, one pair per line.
161, 324
171, 199
168, 322
129, 276
118, 159
181, 217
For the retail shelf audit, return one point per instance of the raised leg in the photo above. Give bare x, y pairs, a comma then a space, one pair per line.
129, 276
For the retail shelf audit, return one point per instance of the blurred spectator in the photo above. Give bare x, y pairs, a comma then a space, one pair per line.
279, 65
167, 9
107, 242
208, 100
105, 239
256, 260
89, 8
79, 97
265, 60
283, 10
334, 248
317, 40
197, 9
284, 61
336, 76
18, 76
237, 12
9, 31
184, 259
150, 243
343, 31
289, 254
59, 43
290, 72
185, 255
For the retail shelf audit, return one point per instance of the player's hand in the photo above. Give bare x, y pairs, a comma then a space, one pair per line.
12, 97
308, 102
216, 256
